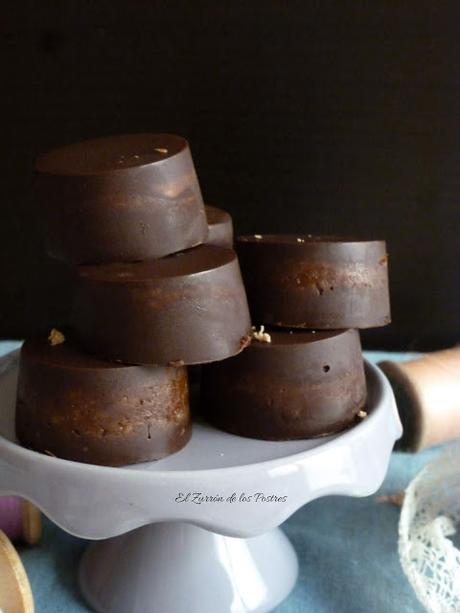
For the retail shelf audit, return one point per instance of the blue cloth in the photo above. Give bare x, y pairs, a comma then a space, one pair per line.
347, 549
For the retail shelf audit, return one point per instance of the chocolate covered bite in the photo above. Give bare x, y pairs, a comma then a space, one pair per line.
220, 226
77, 407
288, 385
315, 282
120, 198
188, 308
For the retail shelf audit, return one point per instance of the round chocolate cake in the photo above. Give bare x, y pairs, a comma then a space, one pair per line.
121, 199
77, 407
220, 227
291, 385
315, 282
188, 308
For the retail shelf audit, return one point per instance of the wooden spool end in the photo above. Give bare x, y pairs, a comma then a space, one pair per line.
427, 392
15, 593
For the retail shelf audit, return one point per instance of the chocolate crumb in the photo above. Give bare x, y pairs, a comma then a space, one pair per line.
261, 335
176, 363
56, 337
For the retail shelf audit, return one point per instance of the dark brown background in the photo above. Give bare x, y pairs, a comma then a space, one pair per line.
318, 117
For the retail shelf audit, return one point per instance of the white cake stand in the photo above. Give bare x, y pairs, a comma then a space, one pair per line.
167, 552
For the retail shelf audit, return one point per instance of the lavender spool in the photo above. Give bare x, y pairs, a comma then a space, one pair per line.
20, 520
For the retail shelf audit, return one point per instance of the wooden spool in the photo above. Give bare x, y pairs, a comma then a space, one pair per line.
31, 523
20, 520
427, 392
15, 593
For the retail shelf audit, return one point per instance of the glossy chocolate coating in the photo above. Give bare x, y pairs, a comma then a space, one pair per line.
79, 408
301, 385
220, 227
315, 282
188, 308
121, 199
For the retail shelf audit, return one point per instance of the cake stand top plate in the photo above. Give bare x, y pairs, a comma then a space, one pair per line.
228, 484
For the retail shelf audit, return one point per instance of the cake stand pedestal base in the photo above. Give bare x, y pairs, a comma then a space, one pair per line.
170, 567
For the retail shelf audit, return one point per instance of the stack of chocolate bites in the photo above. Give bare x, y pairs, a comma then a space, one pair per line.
152, 296
303, 376
159, 289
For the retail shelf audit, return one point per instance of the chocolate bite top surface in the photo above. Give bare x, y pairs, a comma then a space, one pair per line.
110, 154
216, 216
220, 226
295, 337
65, 355
190, 262
334, 246
294, 239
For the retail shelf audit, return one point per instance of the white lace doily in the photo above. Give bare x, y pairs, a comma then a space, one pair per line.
429, 515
